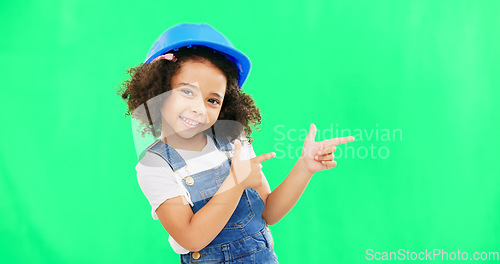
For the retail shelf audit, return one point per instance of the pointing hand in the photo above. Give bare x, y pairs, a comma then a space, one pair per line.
319, 155
248, 172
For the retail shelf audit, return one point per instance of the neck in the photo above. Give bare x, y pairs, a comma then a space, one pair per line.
196, 143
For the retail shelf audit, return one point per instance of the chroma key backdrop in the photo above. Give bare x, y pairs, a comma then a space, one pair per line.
415, 82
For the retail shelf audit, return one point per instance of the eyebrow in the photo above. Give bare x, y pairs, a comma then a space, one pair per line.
196, 87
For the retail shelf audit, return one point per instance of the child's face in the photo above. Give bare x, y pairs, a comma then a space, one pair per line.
195, 100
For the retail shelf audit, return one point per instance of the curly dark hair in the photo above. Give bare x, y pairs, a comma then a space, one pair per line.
148, 81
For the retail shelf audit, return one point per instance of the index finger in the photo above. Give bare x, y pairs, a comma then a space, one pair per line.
264, 157
338, 141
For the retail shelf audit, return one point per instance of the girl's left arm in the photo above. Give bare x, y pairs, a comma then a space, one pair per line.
315, 156
281, 200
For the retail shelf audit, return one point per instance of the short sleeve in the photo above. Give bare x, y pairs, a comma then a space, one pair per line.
157, 181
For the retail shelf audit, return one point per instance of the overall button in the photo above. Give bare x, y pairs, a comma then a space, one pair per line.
189, 180
196, 255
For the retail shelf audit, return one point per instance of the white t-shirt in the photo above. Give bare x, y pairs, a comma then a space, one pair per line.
158, 182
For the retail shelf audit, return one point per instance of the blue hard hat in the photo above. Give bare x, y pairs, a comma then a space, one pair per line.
188, 34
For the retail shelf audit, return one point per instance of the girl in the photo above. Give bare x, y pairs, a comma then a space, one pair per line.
202, 178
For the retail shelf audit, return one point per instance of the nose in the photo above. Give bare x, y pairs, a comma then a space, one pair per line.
199, 108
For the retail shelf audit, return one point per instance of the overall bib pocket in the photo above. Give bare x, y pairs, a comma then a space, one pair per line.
241, 215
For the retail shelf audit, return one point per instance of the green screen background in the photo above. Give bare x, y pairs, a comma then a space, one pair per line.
423, 73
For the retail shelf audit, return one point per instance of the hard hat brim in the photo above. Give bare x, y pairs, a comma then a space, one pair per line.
241, 61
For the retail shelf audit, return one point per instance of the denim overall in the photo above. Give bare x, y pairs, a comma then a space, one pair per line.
245, 237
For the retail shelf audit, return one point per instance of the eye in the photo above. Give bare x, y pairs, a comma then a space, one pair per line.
187, 91
214, 101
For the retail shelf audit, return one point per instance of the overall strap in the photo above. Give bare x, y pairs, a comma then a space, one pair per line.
223, 144
168, 153
174, 160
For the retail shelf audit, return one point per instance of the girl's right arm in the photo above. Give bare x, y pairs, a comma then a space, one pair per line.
195, 231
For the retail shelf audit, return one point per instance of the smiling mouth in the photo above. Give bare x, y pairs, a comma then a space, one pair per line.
190, 122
